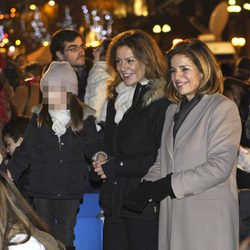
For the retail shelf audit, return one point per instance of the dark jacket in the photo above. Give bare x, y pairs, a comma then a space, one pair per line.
132, 146
58, 167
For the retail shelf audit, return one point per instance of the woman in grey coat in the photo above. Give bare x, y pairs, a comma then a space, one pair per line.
194, 174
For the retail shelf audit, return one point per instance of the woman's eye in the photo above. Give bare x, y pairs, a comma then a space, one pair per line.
130, 61
185, 69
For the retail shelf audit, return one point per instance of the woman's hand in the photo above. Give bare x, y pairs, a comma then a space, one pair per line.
99, 159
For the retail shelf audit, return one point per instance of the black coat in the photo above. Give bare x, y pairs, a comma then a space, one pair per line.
132, 146
58, 168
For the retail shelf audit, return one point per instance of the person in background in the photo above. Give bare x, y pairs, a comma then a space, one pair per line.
194, 175
21, 60
20, 227
242, 71
239, 92
28, 94
61, 133
12, 134
133, 126
68, 45
96, 90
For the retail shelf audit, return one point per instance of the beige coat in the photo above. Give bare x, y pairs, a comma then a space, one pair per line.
204, 215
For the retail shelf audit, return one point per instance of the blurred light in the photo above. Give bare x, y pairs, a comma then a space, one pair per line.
5, 35
5, 40
1, 16
177, 40
51, 3
93, 44
12, 49
97, 18
45, 43
231, 2
81, 29
13, 10
2, 44
18, 42
107, 17
234, 8
12, 14
238, 41
157, 28
145, 13
166, 28
3, 50
11, 31
32, 6
246, 6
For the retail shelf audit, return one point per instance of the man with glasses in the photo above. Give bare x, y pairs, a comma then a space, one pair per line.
68, 45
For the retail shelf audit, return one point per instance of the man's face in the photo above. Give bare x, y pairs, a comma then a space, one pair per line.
73, 53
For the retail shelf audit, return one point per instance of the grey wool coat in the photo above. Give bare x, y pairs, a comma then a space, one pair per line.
204, 214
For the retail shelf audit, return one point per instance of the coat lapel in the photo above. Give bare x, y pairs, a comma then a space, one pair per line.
192, 119
168, 128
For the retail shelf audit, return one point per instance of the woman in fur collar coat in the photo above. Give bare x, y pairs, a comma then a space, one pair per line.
135, 115
61, 133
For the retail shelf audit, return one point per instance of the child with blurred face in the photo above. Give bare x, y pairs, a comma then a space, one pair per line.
60, 135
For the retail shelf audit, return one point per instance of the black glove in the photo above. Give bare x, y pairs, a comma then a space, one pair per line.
147, 191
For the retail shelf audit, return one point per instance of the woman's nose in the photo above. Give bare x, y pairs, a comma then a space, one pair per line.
123, 66
178, 74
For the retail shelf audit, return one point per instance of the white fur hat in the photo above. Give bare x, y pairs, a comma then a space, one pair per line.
60, 74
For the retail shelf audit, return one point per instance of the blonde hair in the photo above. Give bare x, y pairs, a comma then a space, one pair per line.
145, 50
16, 215
198, 52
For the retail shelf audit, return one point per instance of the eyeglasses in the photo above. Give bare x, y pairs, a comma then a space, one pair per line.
75, 48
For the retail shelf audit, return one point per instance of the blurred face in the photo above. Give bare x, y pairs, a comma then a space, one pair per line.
55, 97
130, 69
185, 76
11, 145
73, 53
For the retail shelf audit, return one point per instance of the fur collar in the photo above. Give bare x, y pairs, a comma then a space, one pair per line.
156, 92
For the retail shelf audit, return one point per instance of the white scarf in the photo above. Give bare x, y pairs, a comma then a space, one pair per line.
60, 120
124, 98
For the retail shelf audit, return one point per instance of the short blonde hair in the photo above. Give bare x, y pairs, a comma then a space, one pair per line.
198, 52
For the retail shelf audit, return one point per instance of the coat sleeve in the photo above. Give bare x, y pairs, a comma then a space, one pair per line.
154, 173
223, 138
94, 143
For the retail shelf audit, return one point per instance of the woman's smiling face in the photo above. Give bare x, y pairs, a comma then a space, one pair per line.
185, 76
130, 69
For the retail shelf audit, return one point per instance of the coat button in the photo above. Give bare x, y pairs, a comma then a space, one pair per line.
58, 195
61, 161
115, 182
121, 164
